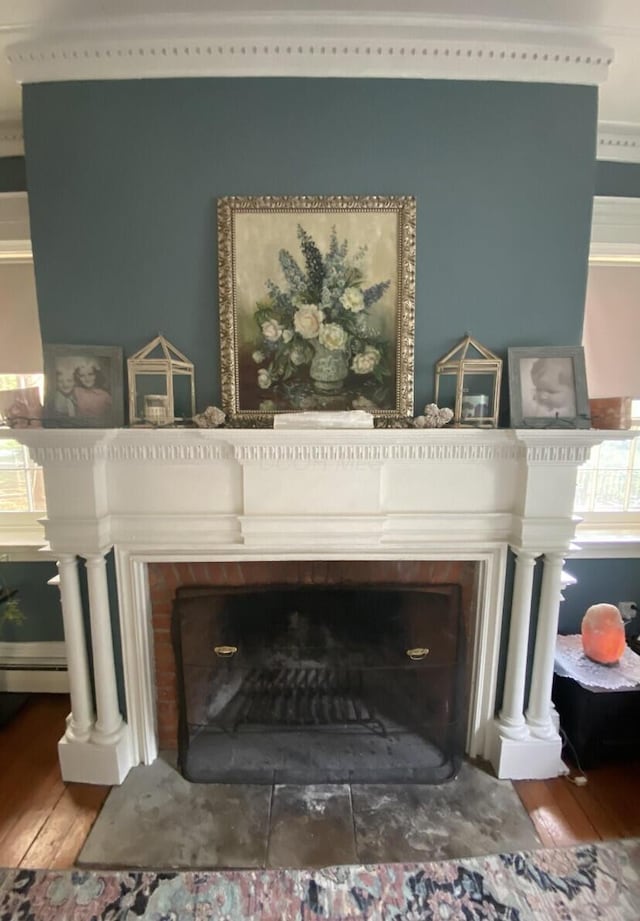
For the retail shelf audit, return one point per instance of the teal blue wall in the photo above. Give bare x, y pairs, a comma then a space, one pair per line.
618, 179
598, 580
124, 176
12, 174
39, 602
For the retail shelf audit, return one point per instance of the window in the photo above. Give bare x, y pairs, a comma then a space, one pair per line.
21, 481
608, 488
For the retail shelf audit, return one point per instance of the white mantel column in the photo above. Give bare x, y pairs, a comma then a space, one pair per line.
530, 748
512, 722
104, 756
80, 720
539, 712
109, 722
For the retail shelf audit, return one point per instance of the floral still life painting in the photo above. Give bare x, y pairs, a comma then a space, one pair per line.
316, 305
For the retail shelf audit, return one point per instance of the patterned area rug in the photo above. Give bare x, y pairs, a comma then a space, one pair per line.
596, 881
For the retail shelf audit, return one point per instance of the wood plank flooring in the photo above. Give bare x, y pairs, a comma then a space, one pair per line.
607, 807
44, 822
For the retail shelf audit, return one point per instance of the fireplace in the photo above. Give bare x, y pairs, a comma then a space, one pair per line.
225, 499
320, 684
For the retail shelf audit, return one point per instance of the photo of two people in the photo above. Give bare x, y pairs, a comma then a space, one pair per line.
83, 386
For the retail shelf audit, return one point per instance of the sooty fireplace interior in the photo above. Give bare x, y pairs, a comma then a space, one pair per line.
320, 684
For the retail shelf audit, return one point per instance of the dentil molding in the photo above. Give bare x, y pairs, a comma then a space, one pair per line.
316, 447
309, 45
619, 142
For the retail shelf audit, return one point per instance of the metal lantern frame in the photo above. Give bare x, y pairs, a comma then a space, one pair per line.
469, 357
170, 363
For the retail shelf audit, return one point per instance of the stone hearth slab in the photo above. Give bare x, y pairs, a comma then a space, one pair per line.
311, 826
472, 816
157, 819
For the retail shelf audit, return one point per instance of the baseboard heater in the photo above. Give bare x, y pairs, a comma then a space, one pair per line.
38, 667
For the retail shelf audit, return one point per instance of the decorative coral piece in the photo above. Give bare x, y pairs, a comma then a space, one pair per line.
603, 637
433, 417
211, 418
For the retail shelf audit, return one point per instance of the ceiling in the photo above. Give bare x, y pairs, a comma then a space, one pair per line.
614, 24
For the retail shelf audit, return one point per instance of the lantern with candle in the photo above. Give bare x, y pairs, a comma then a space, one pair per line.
161, 384
468, 381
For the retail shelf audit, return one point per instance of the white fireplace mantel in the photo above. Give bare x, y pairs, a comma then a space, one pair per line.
242, 494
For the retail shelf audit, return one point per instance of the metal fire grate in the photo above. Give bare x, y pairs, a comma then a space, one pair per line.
297, 698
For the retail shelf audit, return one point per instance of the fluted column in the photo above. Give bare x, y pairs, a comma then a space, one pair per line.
539, 710
80, 720
109, 721
512, 722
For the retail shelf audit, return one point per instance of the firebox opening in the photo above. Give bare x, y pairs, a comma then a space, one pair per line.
282, 684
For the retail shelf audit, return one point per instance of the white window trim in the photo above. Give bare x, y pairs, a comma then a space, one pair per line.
615, 240
21, 533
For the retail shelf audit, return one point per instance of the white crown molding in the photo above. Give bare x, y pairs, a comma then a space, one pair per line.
615, 231
310, 45
11, 138
619, 142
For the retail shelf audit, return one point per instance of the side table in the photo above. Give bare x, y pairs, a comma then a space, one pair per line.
601, 725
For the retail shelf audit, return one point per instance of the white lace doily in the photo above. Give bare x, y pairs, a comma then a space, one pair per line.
571, 662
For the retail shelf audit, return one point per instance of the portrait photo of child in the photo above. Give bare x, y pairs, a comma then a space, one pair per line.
547, 387
83, 386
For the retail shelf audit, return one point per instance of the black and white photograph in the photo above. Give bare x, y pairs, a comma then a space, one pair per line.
83, 386
547, 387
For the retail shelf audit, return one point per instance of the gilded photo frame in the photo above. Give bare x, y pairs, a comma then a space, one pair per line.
548, 388
317, 305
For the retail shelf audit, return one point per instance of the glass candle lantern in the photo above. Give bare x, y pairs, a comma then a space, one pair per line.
161, 384
467, 380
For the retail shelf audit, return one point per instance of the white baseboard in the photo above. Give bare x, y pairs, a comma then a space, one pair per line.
39, 667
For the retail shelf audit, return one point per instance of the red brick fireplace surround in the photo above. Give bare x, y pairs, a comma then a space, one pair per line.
165, 578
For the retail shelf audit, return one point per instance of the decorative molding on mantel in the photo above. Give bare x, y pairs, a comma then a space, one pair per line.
551, 446
619, 141
11, 138
66, 446
321, 446
266, 446
304, 44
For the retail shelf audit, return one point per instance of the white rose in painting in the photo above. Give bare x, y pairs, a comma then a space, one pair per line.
353, 300
271, 330
307, 321
264, 379
332, 336
365, 362
287, 335
258, 356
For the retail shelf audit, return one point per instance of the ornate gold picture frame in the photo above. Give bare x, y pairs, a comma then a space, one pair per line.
317, 305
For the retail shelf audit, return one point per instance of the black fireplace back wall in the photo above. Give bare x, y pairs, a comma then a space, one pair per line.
320, 684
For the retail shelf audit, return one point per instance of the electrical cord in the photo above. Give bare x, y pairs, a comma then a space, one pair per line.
581, 779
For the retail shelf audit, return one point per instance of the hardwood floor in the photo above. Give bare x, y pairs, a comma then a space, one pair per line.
607, 807
44, 822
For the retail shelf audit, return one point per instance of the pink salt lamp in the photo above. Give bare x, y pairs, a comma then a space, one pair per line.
603, 638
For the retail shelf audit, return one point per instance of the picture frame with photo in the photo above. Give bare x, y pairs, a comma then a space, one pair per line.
317, 305
548, 387
83, 386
